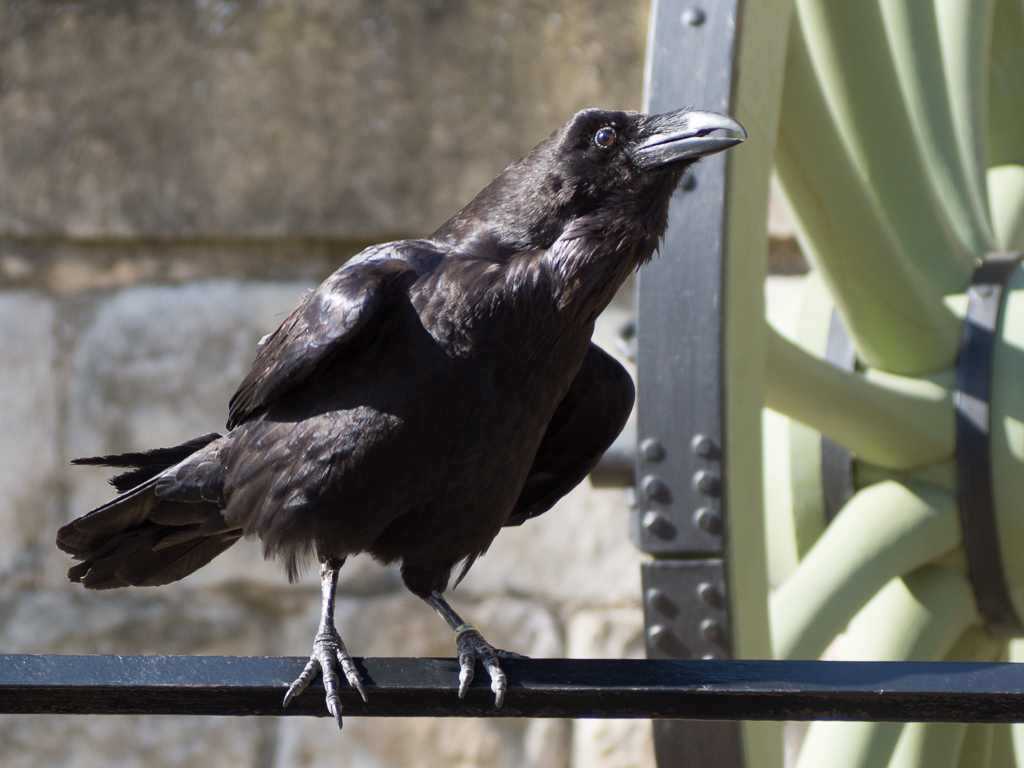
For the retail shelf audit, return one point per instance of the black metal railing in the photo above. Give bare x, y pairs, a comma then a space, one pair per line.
564, 688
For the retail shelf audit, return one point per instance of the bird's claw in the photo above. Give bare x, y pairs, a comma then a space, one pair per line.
328, 654
472, 646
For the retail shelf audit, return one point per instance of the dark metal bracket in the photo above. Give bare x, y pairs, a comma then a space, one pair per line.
681, 512
684, 601
973, 450
679, 300
686, 618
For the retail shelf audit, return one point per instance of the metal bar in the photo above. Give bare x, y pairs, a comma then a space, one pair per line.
681, 510
679, 301
590, 688
686, 618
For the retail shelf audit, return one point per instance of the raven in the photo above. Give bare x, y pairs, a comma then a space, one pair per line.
425, 395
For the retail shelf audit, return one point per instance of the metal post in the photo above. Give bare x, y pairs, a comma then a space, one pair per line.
681, 512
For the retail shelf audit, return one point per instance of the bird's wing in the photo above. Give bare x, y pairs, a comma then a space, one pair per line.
586, 422
326, 321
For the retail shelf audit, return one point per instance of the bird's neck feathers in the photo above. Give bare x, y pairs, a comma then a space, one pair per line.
522, 209
597, 253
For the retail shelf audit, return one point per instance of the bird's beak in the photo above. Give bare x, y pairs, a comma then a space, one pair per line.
685, 135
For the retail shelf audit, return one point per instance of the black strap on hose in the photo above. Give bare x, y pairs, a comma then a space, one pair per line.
973, 451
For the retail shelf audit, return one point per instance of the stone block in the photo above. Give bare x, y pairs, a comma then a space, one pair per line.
610, 634
422, 743
65, 268
171, 620
155, 365
326, 119
28, 426
72, 741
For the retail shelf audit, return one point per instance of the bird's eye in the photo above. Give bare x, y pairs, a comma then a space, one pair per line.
605, 137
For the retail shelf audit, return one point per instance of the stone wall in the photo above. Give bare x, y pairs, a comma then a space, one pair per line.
172, 176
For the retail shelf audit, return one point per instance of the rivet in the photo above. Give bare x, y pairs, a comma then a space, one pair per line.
712, 631
694, 17
706, 482
659, 600
702, 446
657, 525
659, 635
709, 594
654, 488
689, 182
652, 449
708, 519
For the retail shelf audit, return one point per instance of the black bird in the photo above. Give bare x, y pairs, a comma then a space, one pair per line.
426, 394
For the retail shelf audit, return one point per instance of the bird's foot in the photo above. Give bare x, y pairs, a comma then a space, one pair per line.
472, 646
328, 653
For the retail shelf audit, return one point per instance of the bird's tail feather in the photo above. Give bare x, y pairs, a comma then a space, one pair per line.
139, 538
146, 465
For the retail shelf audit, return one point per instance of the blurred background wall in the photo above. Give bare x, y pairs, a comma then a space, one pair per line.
173, 175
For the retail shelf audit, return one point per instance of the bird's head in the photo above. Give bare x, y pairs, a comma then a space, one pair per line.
625, 160
599, 155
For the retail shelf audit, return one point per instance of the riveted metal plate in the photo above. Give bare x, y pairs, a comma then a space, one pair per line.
685, 609
680, 510
686, 618
679, 306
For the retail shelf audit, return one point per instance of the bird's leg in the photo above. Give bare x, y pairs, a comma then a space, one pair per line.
328, 649
470, 645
